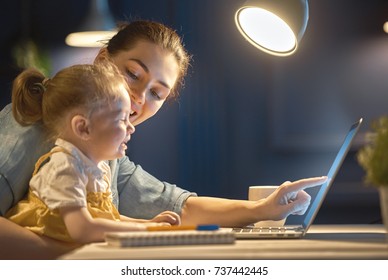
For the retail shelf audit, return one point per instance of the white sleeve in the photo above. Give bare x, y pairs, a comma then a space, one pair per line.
60, 182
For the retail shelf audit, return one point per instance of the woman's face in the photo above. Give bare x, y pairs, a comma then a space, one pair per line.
151, 72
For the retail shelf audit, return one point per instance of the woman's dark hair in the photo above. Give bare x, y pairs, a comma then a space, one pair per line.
130, 34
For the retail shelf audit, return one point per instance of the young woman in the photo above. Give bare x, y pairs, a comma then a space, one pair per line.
155, 62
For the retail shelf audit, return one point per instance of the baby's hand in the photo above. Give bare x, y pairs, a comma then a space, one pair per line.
169, 217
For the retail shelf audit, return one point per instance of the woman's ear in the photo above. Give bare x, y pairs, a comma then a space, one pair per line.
102, 55
81, 127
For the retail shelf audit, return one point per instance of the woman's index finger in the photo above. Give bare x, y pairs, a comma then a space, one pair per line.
305, 183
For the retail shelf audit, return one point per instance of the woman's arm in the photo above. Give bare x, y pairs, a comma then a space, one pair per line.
17, 242
224, 212
153, 196
141, 195
288, 199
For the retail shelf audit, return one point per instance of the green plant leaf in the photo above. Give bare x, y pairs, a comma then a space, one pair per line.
373, 157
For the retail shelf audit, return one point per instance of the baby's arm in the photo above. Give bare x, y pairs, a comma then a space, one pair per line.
169, 217
83, 228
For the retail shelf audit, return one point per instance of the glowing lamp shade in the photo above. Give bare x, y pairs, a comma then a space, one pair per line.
90, 39
273, 26
385, 27
97, 27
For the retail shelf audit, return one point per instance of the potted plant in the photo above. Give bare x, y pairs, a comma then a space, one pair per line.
373, 158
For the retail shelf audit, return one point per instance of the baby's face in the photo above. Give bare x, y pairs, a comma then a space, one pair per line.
111, 129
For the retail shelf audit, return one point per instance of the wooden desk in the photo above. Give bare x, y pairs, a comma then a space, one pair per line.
321, 242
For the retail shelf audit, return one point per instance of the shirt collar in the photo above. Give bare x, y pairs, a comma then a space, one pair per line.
87, 163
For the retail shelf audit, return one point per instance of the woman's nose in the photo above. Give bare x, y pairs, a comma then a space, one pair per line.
138, 95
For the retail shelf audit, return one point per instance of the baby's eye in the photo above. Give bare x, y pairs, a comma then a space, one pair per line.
125, 119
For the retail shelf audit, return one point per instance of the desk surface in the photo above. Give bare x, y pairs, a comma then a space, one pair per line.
321, 242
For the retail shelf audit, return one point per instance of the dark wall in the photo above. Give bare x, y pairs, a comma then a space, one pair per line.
244, 117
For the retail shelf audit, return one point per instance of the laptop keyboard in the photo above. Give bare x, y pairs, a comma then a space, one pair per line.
268, 232
259, 229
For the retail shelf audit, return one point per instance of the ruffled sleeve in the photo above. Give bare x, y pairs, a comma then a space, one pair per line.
60, 182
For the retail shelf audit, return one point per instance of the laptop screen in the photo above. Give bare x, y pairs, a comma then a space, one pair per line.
322, 190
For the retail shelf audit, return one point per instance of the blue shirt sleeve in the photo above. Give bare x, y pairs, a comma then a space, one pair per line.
141, 195
20, 148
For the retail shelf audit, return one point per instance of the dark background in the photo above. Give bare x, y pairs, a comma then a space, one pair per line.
244, 117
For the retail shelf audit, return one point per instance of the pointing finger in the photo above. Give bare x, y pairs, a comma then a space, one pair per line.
304, 183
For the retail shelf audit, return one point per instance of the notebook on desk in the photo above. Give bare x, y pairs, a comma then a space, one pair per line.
169, 237
298, 231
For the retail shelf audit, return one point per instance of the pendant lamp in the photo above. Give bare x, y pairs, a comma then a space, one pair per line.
98, 27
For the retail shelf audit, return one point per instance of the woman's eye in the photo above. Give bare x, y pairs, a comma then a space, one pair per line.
132, 75
155, 94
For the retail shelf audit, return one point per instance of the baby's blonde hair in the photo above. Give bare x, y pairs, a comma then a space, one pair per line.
35, 98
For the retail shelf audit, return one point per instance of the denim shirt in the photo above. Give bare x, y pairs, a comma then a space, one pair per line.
135, 192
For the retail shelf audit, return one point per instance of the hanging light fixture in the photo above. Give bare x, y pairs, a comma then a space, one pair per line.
385, 27
273, 26
98, 27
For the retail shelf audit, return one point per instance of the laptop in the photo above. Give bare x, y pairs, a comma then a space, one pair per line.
298, 231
